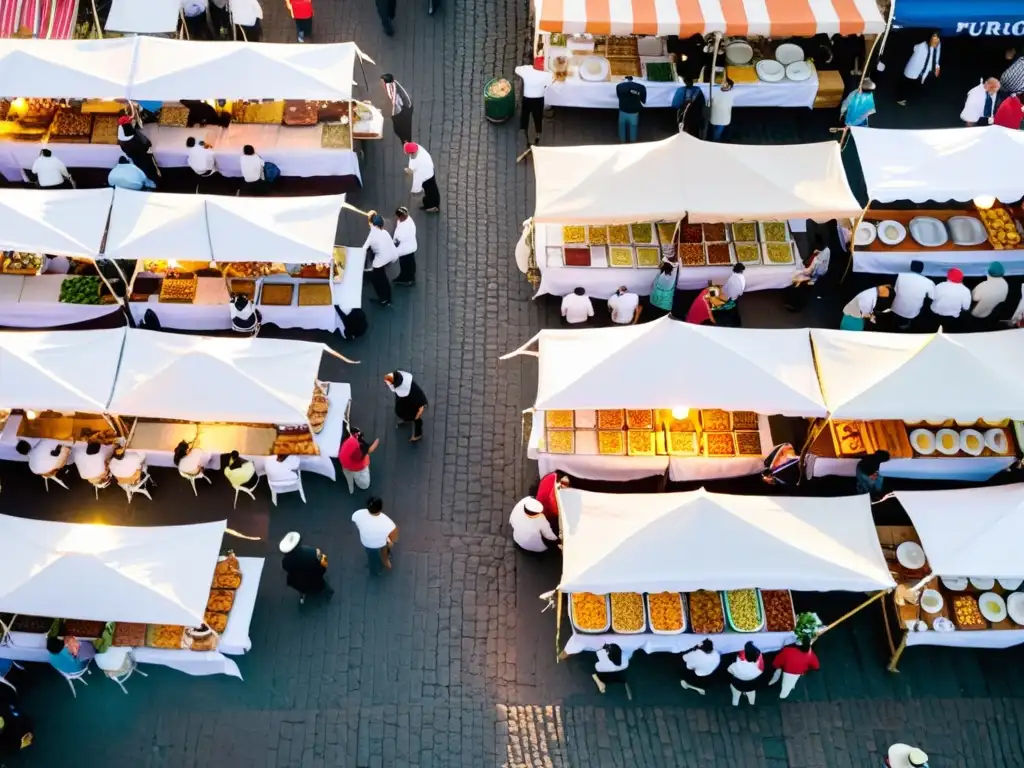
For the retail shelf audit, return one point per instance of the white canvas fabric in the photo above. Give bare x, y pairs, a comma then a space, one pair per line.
295, 230
66, 69
158, 225
143, 17
63, 222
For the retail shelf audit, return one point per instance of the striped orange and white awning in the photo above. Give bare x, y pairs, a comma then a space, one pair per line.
743, 18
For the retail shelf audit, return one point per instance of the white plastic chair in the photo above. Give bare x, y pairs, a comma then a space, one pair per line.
289, 487
250, 492
54, 478
192, 479
79, 676
104, 483
139, 487
122, 677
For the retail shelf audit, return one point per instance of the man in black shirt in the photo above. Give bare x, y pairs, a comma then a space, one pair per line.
632, 97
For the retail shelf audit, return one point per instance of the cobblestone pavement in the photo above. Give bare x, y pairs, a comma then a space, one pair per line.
447, 661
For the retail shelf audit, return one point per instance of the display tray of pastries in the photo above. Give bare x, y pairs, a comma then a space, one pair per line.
744, 420
330, 111
297, 112
640, 419
715, 420
295, 443
127, 634
620, 46
561, 441
611, 419
38, 112
277, 294
618, 234
621, 67
104, 129
317, 412
748, 443
258, 112
165, 635
611, 442
242, 287
227, 580
336, 136
178, 290
559, 419
719, 444
220, 600
216, 621
35, 625
174, 115
315, 295
967, 614
640, 442
312, 271
71, 126
83, 628
22, 263
254, 269
682, 443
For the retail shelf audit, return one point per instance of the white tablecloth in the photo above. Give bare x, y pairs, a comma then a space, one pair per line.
725, 642
937, 263
235, 640
977, 469
681, 469
601, 283
33, 302
785, 93
982, 638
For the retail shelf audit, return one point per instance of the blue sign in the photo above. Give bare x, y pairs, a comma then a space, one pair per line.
984, 18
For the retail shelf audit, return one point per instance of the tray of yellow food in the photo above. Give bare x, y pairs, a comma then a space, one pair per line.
21, 263
665, 613
744, 611
165, 636
340, 257
1002, 232
628, 613
748, 443
779, 253
216, 621
967, 614
574, 235
611, 443
640, 418
558, 419
71, 126
746, 253
174, 115
295, 444
648, 257
589, 612
177, 290
621, 256
743, 232
611, 419
104, 129
706, 614
315, 295
642, 234
104, 107
715, 420
242, 287
336, 136
618, 234
258, 113
220, 600
597, 235
682, 443
667, 232
561, 441
277, 294
719, 444
774, 231
640, 442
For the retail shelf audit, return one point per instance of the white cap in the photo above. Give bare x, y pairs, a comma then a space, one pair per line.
532, 505
290, 542
917, 757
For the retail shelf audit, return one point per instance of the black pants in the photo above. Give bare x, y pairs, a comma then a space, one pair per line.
386, 11
304, 27
381, 284
431, 194
408, 265
535, 107
417, 428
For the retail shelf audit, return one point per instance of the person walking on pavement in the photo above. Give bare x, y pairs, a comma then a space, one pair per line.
859, 105
354, 458
699, 663
405, 243
381, 250
535, 82
611, 666
306, 567
377, 533
746, 674
421, 168
302, 14
911, 289
632, 97
721, 110
923, 63
410, 401
401, 104
792, 663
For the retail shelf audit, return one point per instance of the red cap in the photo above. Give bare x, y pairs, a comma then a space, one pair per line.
123, 119
538, 63
955, 275
411, 147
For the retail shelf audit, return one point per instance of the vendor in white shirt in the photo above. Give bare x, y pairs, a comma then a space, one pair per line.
252, 168
721, 110
906, 756
91, 461
912, 288
980, 105
535, 82
405, 243
421, 167
577, 307
50, 171
381, 251
529, 526
282, 469
610, 667
699, 663
865, 306
126, 467
46, 458
189, 460
951, 298
991, 293
200, 157
624, 306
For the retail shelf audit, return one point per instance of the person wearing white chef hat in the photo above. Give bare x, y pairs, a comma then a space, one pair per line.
306, 567
906, 756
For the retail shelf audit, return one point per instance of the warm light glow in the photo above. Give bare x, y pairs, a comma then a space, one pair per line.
679, 412
88, 540
984, 202
18, 105
30, 415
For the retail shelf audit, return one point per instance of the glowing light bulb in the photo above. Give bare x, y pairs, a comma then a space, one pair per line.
984, 202
30, 415
679, 413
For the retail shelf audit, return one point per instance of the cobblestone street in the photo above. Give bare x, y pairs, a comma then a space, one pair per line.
447, 660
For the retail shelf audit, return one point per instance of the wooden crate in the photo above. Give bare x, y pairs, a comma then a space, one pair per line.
830, 90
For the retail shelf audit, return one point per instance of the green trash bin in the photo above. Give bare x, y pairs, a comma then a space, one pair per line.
499, 100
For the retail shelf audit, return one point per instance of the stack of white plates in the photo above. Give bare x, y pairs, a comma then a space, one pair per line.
788, 53
798, 71
738, 53
769, 70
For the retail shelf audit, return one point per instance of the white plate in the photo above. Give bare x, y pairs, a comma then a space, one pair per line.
942, 624
995, 440
926, 446
910, 555
594, 68
966, 230
1015, 607
894, 237
982, 583
955, 583
787, 53
976, 451
1010, 584
769, 70
931, 601
928, 232
992, 606
866, 234
798, 71
739, 53
942, 448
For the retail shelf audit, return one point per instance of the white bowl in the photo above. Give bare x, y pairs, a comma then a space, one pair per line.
770, 71
995, 441
866, 234
966, 439
955, 583
1009, 584
923, 441
594, 68
935, 423
787, 53
891, 232
1015, 607
992, 606
942, 624
931, 601
953, 448
798, 71
910, 555
982, 583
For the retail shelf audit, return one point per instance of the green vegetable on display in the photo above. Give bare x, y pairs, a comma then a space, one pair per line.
80, 290
659, 72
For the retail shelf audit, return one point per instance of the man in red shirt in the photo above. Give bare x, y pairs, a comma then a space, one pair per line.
354, 458
546, 496
1009, 113
302, 13
791, 663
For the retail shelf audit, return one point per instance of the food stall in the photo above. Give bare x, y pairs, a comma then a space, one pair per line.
931, 168
612, 405
74, 91
590, 48
959, 569
662, 572
258, 396
606, 216
193, 252
943, 406
48, 240
156, 583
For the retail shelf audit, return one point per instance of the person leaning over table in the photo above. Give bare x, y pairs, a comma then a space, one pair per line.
699, 664
50, 171
796, 296
46, 457
624, 306
377, 533
137, 147
746, 673
127, 175
189, 460
865, 307
91, 462
663, 290
530, 528
611, 667
577, 307
381, 248
868, 475
727, 314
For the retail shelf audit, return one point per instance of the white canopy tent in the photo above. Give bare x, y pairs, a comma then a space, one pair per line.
681, 542
204, 379
65, 69
144, 17
177, 69
662, 180
295, 230
970, 532
158, 225
63, 371
669, 363
941, 164
918, 377
158, 575
64, 222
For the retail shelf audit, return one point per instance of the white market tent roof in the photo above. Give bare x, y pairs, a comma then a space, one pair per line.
144, 17
59, 69
158, 225
942, 164
64, 222
158, 575
204, 379
970, 532
179, 69
295, 230
668, 363
680, 542
63, 371
915, 377
663, 180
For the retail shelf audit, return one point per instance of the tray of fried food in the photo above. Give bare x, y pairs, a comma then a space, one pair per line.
220, 600
707, 617
589, 612
640, 418
22, 263
640, 442
778, 610
967, 613
315, 295
262, 113
179, 290
104, 129
559, 419
216, 620
277, 294
300, 444
174, 115
628, 613
71, 126
130, 635
620, 46
317, 412
165, 636
748, 443
715, 420
298, 112
719, 444
38, 112
312, 271
743, 420
624, 66
665, 613
336, 136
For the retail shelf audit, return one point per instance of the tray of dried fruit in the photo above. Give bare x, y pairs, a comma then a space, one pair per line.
640, 442
718, 445
590, 613
129, 635
774, 231
82, 628
628, 615
642, 234
777, 254
258, 112
611, 419
179, 290
164, 636
719, 254
648, 258
707, 616
611, 442
713, 233
174, 115
315, 295
715, 420
666, 613
748, 443
104, 129
745, 420
743, 610
242, 287
70, 126
277, 294
619, 234
682, 443
692, 255
746, 253
779, 614
559, 419
621, 256
743, 232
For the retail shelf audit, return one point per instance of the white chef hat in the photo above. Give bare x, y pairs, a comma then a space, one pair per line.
290, 542
534, 506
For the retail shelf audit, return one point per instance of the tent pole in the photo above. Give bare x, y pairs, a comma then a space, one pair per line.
95, 18
558, 627
878, 595
522, 349
895, 660
711, 82
853, 239
340, 356
888, 631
